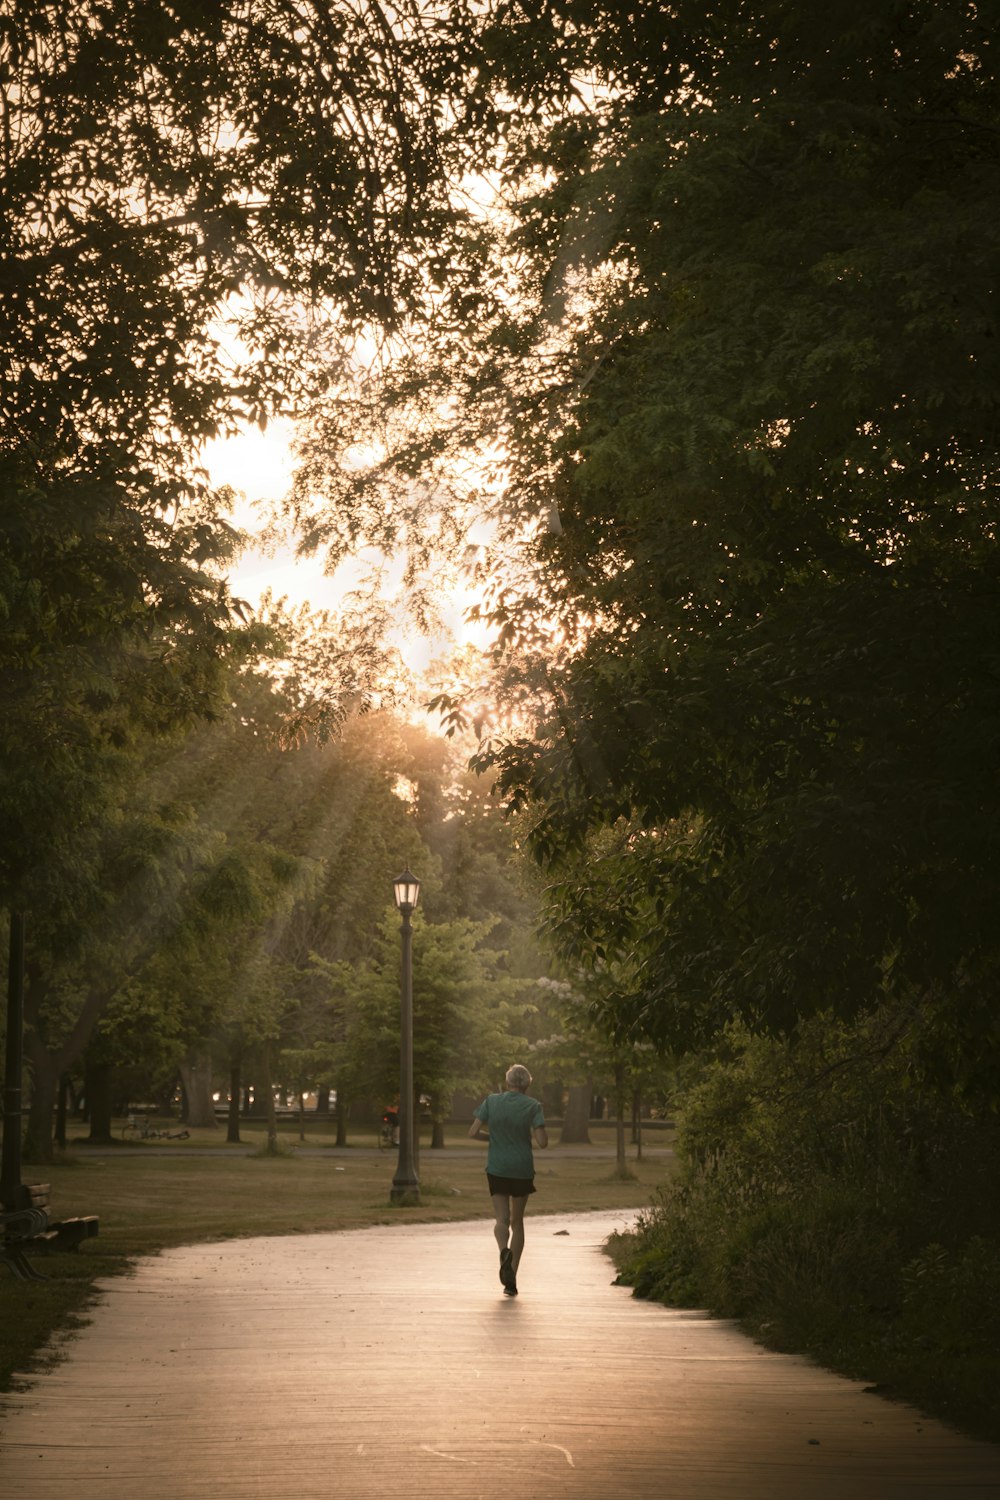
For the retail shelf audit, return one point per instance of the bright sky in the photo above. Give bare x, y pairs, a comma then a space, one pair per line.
259, 465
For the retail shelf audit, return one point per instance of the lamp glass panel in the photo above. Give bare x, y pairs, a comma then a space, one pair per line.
406, 888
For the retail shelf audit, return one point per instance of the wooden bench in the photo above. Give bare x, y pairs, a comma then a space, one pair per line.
26, 1226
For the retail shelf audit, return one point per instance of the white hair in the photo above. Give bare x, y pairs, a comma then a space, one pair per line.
517, 1077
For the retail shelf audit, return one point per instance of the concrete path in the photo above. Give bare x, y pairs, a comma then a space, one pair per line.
387, 1362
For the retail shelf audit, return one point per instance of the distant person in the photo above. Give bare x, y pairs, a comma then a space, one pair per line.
512, 1120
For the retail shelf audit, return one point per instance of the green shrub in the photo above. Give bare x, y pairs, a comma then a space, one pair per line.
660, 1261
839, 1211
951, 1299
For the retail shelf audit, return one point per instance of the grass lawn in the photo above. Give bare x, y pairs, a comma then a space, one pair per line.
151, 1195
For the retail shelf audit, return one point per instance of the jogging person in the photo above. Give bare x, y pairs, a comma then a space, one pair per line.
513, 1120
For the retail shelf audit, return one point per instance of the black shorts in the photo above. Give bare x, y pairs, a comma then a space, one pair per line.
512, 1187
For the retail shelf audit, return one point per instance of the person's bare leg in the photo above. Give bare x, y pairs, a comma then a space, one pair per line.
501, 1212
517, 1207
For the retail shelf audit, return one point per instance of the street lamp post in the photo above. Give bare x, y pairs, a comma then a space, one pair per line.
405, 1186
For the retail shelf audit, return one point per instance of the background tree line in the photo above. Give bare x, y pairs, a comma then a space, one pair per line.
204, 209
245, 938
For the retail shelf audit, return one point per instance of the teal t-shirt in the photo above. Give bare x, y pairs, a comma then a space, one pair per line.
510, 1119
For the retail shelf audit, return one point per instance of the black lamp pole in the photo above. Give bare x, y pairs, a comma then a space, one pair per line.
405, 1186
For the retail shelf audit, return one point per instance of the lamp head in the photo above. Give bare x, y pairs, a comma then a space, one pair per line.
406, 889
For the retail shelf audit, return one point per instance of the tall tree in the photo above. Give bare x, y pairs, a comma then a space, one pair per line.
200, 207
181, 908
745, 379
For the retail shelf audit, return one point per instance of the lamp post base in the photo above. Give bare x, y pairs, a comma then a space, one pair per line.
405, 1194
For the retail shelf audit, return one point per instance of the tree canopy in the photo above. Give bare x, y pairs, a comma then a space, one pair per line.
681, 322
737, 391
200, 207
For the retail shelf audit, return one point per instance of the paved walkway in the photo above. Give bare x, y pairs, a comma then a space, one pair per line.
384, 1362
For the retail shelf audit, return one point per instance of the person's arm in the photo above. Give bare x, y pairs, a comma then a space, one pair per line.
541, 1137
476, 1132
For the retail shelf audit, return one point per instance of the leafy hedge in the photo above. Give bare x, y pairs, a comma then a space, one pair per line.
839, 1209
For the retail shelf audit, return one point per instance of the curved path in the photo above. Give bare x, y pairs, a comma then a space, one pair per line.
387, 1361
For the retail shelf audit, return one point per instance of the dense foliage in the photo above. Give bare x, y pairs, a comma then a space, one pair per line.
837, 1210
200, 206
243, 938
778, 502
733, 412
187, 851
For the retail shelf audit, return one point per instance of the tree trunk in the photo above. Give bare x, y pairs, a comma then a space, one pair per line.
343, 1110
323, 1100
255, 1106
302, 1115
235, 1089
38, 1144
48, 1064
272, 1126
621, 1165
440, 1111
11, 1147
165, 1099
98, 1086
269, 1106
637, 1122
196, 1073
576, 1116
62, 1111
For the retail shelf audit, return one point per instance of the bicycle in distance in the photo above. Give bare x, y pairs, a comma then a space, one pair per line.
388, 1135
